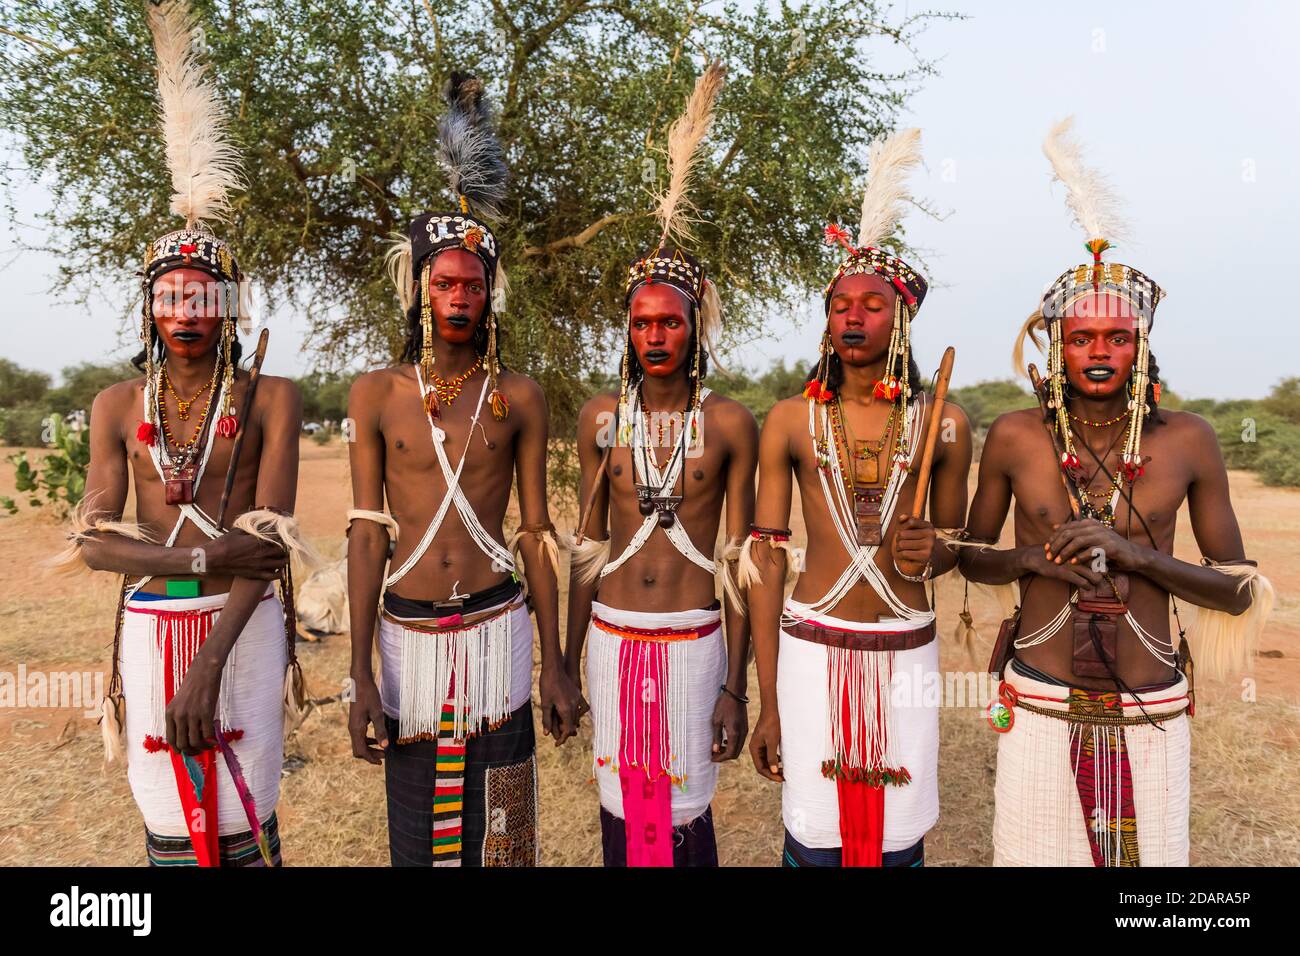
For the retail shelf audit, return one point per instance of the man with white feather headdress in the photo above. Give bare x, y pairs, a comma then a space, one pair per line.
1093, 707
844, 662
203, 661
440, 437
662, 461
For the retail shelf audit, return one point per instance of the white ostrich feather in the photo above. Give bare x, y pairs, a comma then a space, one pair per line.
889, 162
1092, 202
684, 138
205, 166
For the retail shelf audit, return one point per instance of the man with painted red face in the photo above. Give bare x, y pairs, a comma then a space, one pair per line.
853, 647
662, 460
203, 644
442, 437
1094, 754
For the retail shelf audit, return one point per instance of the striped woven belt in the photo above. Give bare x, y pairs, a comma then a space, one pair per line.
657, 633
862, 640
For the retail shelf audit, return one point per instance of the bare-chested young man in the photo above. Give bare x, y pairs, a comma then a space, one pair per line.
858, 621
662, 459
1093, 761
202, 642
441, 436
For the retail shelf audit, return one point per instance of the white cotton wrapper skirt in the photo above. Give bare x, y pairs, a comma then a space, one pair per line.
501, 647
810, 801
1038, 816
251, 700
704, 661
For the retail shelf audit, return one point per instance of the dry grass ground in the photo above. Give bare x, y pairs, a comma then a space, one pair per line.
59, 805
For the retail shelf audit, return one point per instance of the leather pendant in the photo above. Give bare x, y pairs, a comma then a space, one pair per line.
178, 487
866, 515
866, 465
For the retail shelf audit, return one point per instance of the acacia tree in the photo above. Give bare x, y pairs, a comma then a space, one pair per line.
335, 104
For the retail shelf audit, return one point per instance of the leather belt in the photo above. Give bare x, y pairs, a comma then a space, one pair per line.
657, 633
452, 622
863, 640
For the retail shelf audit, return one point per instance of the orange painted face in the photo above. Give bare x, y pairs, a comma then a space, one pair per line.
660, 325
861, 318
1100, 344
188, 305
458, 294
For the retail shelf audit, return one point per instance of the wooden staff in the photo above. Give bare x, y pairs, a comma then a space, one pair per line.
1041, 394
253, 373
932, 433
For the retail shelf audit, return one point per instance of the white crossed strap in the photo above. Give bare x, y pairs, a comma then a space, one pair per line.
862, 563
162, 460
648, 472
454, 496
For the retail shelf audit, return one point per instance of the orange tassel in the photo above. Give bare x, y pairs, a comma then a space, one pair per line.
431, 404
500, 405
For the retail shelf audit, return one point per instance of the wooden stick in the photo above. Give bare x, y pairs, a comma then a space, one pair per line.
1041, 394
253, 374
932, 433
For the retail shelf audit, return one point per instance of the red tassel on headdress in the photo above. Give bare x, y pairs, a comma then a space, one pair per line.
835, 233
227, 425
147, 433
499, 404
888, 388
904, 291
1155, 392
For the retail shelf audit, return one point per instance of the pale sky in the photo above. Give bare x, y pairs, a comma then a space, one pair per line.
1192, 109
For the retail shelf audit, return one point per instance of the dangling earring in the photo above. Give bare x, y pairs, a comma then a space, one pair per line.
147, 430
228, 424
499, 403
430, 397
624, 433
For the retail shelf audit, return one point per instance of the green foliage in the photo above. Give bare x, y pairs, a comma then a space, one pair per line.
325, 396
336, 101
20, 386
760, 392
59, 478
985, 401
1284, 400
25, 425
81, 383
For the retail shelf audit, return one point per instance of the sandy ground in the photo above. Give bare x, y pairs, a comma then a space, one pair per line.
59, 804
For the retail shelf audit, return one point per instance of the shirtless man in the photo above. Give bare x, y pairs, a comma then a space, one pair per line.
1093, 652
441, 436
852, 442
662, 458
203, 643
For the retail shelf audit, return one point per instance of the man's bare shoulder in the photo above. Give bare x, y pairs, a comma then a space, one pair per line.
951, 410
377, 382
788, 414
600, 402
728, 412
119, 395
521, 387
1015, 426
278, 395
1193, 433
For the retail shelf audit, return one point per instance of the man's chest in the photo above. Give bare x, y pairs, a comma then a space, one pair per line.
412, 445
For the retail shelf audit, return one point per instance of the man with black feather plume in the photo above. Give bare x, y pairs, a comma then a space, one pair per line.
440, 436
662, 461
203, 651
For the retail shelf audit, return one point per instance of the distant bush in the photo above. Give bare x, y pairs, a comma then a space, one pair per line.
24, 426
20, 386
60, 477
985, 401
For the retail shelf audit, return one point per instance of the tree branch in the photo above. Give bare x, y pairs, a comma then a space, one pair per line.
578, 240
34, 41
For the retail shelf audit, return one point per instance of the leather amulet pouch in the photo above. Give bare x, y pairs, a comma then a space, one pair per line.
1004, 648
1094, 622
